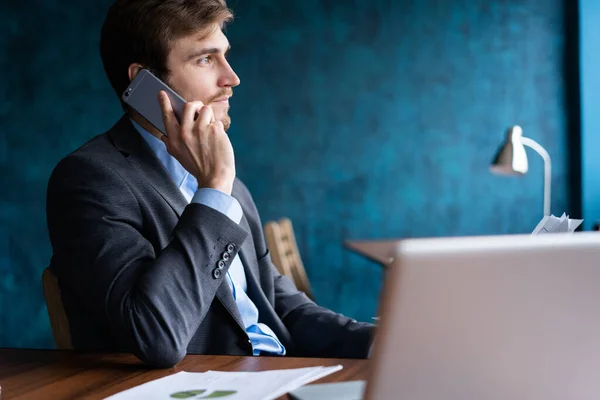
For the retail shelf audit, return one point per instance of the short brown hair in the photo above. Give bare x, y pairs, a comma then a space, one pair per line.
140, 31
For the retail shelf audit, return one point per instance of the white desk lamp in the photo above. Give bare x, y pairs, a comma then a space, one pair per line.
511, 159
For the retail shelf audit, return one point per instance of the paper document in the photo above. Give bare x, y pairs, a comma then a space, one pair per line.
265, 385
353, 390
552, 224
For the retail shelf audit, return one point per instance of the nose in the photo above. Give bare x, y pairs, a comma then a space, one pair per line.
228, 78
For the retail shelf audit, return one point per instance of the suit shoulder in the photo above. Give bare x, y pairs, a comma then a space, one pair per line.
240, 187
242, 194
102, 147
99, 147
92, 152
99, 151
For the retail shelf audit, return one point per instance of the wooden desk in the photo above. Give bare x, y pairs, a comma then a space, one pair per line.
380, 251
54, 374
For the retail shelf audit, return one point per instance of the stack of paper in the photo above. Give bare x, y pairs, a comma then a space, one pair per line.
552, 224
265, 385
353, 390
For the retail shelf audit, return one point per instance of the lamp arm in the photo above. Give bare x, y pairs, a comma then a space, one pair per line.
535, 146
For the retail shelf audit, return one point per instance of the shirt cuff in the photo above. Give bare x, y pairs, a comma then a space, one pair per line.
219, 201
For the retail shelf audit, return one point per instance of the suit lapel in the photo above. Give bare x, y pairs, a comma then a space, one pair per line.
127, 140
266, 311
225, 296
248, 257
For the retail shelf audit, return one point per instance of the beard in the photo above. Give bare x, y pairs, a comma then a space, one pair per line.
224, 118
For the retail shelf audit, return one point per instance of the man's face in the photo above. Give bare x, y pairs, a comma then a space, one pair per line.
199, 71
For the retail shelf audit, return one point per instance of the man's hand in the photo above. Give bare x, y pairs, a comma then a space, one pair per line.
200, 144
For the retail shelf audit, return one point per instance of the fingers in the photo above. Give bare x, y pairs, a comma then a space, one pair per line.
205, 117
197, 120
168, 116
218, 126
189, 114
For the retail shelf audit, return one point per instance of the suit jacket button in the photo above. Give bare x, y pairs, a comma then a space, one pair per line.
230, 248
221, 264
217, 273
226, 256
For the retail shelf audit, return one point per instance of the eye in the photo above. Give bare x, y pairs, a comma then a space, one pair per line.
204, 60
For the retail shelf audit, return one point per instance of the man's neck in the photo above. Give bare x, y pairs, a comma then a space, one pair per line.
144, 123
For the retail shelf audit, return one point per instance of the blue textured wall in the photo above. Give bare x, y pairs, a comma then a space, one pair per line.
373, 119
53, 97
357, 119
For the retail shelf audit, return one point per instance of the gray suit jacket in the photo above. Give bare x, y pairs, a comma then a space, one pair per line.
142, 271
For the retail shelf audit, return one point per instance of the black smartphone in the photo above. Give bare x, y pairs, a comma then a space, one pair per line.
142, 96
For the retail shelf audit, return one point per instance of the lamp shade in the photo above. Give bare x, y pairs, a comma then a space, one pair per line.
511, 158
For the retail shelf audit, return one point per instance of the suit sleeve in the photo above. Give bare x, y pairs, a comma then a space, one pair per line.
154, 303
316, 331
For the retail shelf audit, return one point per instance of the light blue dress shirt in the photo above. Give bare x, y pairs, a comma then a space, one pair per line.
263, 339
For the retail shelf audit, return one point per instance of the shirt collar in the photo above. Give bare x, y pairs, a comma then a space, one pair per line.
173, 167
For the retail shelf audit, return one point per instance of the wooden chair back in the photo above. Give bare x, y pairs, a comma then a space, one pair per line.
285, 255
56, 311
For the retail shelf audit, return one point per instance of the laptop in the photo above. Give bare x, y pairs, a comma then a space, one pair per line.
495, 318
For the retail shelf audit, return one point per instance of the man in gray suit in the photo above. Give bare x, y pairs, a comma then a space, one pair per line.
158, 247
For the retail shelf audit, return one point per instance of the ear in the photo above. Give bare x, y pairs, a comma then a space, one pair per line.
134, 69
